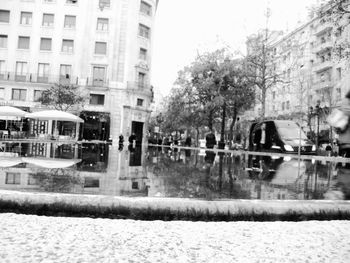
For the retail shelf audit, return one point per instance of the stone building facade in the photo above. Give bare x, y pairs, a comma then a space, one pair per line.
311, 72
103, 46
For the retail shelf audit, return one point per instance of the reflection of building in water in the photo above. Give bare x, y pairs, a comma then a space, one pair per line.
126, 174
31, 178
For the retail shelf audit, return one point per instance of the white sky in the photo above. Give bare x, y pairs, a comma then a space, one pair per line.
184, 26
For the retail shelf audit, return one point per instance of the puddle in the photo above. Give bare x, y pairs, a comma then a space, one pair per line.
163, 172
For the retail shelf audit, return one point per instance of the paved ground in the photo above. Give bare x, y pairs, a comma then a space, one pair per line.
25, 238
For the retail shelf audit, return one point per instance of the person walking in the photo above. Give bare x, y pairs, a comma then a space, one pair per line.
344, 135
210, 140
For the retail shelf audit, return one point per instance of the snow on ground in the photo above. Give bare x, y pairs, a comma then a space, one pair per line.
29, 238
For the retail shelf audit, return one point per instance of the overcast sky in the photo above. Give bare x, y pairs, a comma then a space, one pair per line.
184, 27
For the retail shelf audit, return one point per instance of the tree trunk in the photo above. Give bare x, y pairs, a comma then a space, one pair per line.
234, 118
197, 139
210, 120
263, 101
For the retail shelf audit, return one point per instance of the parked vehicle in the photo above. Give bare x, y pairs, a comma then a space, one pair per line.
279, 136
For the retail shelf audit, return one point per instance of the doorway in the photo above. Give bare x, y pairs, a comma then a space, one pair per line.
137, 129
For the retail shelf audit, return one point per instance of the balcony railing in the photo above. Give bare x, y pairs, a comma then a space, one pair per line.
35, 78
324, 84
327, 44
322, 65
97, 82
140, 87
323, 27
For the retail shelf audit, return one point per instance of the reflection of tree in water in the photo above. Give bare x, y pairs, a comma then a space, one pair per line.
187, 178
58, 180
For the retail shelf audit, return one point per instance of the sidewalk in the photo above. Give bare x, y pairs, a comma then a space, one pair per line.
27, 238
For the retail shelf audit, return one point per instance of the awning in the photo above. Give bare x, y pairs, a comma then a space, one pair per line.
51, 162
11, 113
10, 161
53, 115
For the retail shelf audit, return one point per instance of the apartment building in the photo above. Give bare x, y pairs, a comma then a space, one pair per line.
103, 46
310, 72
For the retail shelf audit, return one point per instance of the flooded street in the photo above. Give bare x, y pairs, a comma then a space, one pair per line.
168, 172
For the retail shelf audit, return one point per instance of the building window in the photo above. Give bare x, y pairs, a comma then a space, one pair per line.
104, 3
143, 54
139, 102
37, 95
65, 73
13, 178
19, 94
339, 75
102, 24
2, 69
65, 70
146, 8
48, 19
101, 48
3, 41
97, 99
71, 1
45, 44
91, 182
69, 21
4, 16
98, 75
43, 72
26, 18
144, 31
21, 71
141, 79
283, 105
135, 185
274, 95
2, 93
287, 105
67, 45
23, 42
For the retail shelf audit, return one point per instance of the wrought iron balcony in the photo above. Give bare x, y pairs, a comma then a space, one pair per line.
324, 84
140, 87
322, 65
323, 27
38, 78
97, 82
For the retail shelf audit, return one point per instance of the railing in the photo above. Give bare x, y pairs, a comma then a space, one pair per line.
36, 78
139, 87
324, 45
97, 82
322, 65
323, 27
324, 84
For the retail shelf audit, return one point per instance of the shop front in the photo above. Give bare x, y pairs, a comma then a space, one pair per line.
96, 126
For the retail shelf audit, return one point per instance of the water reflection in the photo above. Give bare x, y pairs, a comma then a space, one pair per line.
166, 172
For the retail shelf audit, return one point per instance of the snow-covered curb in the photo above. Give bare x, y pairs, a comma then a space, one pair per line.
178, 205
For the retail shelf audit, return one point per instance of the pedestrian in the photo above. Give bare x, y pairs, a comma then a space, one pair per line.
344, 135
132, 138
188, 141
121, 139
210, 140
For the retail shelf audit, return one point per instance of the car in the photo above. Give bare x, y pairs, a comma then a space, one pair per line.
281, 136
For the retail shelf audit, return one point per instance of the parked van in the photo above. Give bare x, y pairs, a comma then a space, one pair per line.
279, 136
